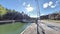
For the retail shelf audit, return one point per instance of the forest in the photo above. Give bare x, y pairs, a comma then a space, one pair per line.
11, 14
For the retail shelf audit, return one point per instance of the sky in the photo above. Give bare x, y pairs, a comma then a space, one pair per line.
30, 7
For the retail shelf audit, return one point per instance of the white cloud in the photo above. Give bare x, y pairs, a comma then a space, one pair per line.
50, 3
28, 5
53, 6
29, 9
45, 5
41, 14
24, 4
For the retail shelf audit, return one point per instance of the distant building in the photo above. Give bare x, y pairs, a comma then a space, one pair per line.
54, 16
44, 17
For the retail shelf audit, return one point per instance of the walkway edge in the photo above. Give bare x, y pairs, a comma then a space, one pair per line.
26, 29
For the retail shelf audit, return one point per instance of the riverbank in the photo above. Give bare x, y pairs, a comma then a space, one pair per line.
56, 21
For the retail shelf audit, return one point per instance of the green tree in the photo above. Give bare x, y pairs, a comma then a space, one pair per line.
2, 11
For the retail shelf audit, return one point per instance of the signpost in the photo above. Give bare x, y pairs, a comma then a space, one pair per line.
38, 15
38, 18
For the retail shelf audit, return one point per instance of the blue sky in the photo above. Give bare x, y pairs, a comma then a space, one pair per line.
30, 6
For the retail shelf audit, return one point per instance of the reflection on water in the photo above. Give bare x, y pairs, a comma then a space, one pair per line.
16, 28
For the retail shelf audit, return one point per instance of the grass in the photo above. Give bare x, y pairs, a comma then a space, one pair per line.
15, 28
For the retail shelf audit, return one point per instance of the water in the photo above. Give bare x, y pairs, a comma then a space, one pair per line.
13, 28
